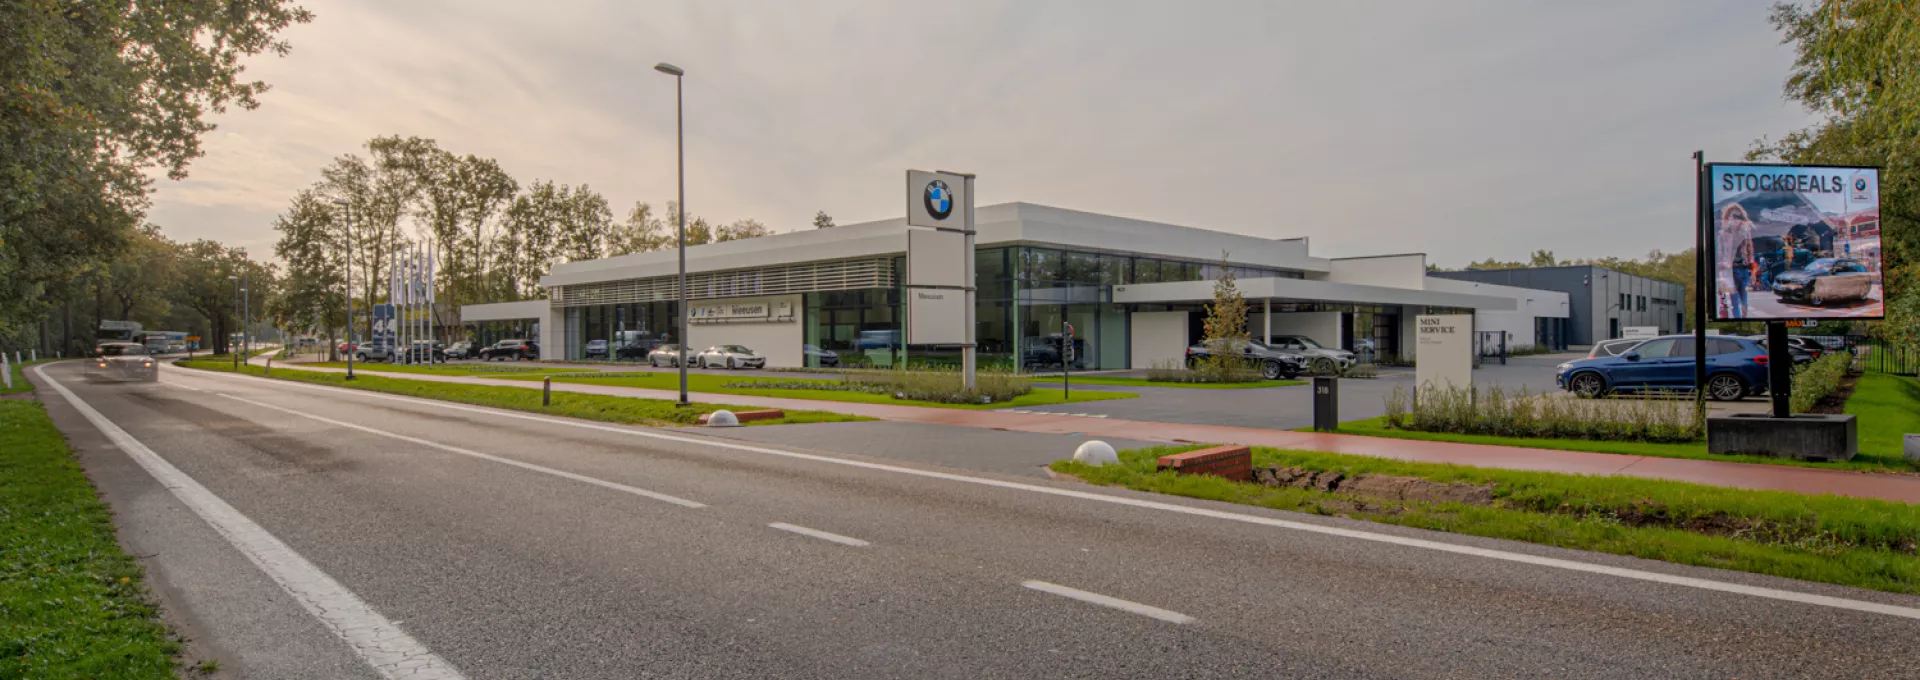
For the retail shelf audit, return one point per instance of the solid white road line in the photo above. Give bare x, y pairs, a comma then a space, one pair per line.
822, 535
1425, 544
676, 500
1114, 602
389, 650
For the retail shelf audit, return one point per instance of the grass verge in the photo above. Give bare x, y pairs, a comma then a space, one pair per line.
1143, 382
1870, 460
1830, 539
1885, 408
715, 384
446, 369
629, 410
20, 383
71, 601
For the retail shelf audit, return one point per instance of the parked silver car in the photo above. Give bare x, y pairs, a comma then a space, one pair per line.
123, 361
1320, 358
729, 356
666, 355
1825, 280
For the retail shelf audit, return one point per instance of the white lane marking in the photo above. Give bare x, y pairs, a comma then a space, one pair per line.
655, 495
1114, 602
1438, 546
822, 535
390, 651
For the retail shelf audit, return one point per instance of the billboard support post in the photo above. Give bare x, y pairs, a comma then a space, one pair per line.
1779, 369
1701, 285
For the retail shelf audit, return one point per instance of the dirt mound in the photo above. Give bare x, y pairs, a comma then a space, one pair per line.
1377, 487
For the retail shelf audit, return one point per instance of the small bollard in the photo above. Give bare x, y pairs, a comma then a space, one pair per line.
1096, 453
722, 418
33, 355
546, 391
269, 369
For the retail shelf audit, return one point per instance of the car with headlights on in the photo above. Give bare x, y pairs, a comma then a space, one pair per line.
1736, 368
123, 361
728, 356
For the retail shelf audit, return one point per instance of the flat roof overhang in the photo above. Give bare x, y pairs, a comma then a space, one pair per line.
1309, 290
505, 311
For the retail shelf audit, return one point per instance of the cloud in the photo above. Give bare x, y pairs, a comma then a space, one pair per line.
1465, 130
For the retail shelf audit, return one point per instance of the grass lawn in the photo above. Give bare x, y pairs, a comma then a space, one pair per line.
1831, 539
1867, 459
650, 412
20, 383
1143, 382
713, 384
1885, 408
445, 369
71, 601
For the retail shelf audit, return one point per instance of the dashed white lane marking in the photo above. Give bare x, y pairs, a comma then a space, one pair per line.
390, 651
822, 535
655, 495
1151, 611
1356, 534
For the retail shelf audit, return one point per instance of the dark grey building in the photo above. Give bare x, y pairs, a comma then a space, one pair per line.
1602, 301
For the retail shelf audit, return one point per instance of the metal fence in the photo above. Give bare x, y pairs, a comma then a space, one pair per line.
1879, 356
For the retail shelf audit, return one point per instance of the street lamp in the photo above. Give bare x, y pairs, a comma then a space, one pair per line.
680, 144
236, 312
348, 207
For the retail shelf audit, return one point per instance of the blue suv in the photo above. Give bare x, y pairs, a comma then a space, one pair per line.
1736, 368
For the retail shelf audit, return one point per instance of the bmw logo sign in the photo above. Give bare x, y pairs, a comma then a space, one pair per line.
1859, 184
939, 199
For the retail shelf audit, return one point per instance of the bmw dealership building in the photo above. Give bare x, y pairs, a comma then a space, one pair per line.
1134, 292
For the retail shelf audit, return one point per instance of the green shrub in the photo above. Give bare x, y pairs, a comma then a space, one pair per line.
1496, 412
942, 387
1815, 381
1204, 372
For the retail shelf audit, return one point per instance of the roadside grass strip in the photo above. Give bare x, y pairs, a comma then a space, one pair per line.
628, 410
461, 370
1876, 455
72, 603
1885, 408
1830, 539
826, 391
1104, 381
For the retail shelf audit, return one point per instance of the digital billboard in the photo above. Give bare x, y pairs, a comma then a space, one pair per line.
1794, 242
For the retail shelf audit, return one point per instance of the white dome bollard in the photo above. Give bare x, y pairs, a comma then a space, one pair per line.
722, 418
1095, 453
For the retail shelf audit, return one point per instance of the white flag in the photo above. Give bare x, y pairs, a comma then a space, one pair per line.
431, 253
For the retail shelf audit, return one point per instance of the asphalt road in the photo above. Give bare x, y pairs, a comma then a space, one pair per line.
477, 544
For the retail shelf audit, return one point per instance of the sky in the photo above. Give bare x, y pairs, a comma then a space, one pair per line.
1463, 129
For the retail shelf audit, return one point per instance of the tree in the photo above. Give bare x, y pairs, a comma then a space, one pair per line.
382, 192
586, 225
1226, 324
137, 281
459, 196
821, 220
97, 94
527, 243
205, 287
1542, 258
1854, 67
641, 233
742, 229
313, 246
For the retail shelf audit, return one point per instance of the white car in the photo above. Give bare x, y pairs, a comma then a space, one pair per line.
123, 361
730, 356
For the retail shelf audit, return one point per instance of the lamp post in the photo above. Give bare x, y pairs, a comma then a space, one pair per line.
246, 308
680, 145
236, 313
348, 207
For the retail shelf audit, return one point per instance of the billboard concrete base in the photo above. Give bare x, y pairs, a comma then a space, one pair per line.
1803, 436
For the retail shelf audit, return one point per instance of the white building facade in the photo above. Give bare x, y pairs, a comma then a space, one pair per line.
1133, 291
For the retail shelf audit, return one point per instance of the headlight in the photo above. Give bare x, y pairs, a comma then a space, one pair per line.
1564, 366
